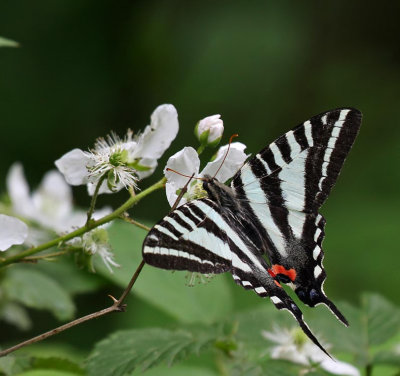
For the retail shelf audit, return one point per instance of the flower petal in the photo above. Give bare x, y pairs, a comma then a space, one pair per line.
150, 164
234, 160
339, 368
52, 200
185, 161
157, 136
74, 166
12, 231
170, 190
18, 191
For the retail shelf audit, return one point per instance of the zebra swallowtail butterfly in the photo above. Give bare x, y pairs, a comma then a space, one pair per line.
270, 209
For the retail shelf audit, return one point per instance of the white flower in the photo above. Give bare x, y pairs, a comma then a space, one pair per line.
209, 130
293, 345
12, 231
96, 242
50, 205
123, 160
187, 162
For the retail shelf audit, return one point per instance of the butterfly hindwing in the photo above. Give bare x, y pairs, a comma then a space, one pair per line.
202, 236
283, 187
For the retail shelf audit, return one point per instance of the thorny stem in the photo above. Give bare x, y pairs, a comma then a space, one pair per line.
130, 220
94, 199
117, 306
90, 226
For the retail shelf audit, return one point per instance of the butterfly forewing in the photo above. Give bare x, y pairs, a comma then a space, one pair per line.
283, 187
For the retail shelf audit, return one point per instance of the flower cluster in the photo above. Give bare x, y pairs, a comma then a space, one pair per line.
122, 162
187, 162
112, 164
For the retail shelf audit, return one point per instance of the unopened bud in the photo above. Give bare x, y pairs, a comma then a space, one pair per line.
209, 130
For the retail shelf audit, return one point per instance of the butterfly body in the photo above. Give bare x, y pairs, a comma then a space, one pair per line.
265, 228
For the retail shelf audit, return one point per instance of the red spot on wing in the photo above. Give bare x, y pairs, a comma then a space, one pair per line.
278, 284
271, 273
279, 269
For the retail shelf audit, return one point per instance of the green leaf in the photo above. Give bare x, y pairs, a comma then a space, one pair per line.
165, 289
60, 364
36, 290
270, 367
382, 318
387, 357
124, 351
178, 370
46, 372
4, 42
373, 324
15, 314
6, 365
68, 275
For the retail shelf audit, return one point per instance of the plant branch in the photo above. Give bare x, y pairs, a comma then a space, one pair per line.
130, 220
117, 306
90, 226
94, 198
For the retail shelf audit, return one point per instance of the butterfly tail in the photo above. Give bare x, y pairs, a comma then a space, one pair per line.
332, 307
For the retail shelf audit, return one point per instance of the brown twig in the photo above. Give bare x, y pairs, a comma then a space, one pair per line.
117, 306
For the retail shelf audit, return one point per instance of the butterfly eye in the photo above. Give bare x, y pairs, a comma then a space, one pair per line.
314, 295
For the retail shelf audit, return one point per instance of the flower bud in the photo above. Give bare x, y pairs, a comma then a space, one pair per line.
209, 130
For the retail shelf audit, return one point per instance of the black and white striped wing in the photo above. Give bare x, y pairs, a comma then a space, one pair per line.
283, 187
201, 236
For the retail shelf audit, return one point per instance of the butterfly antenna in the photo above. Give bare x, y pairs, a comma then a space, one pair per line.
183, 191
184, 175
226, 154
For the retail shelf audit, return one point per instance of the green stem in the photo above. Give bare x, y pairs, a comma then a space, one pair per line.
201, 148
90, 226
94, 198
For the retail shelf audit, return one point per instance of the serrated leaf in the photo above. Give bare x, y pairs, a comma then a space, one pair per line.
165, 289
372, 324
383, 318
125, 351
36, 290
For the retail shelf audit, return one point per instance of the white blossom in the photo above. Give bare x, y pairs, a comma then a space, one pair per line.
209, 130
12, 231
123, 161
294, 346
96, 242
50, 205
187, 162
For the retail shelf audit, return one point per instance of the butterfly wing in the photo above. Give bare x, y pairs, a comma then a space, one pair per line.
201, 236
283, 187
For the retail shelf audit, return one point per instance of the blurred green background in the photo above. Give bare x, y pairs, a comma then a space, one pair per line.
85, 68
